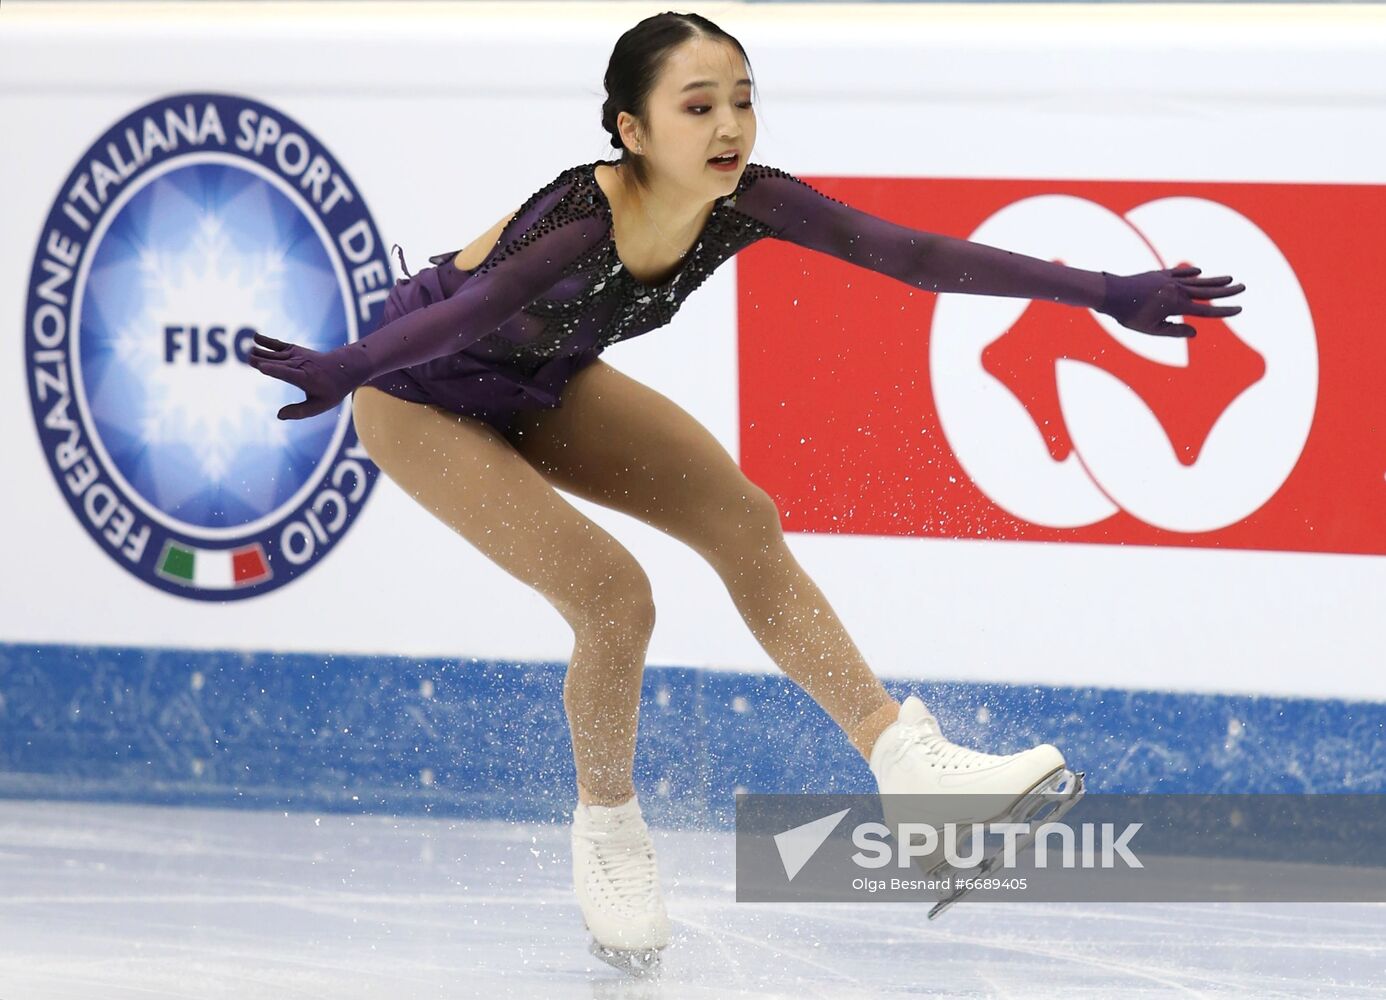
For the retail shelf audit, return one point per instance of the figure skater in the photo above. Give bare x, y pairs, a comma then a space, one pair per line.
483, 390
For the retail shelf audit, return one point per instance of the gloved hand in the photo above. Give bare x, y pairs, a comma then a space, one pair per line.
1142, 301
324, 376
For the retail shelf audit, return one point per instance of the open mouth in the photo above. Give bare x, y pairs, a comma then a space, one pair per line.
725, 161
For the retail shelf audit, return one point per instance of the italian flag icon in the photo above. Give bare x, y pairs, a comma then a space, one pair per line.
213, 569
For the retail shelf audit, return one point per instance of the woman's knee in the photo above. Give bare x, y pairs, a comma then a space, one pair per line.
611, 595
745, 517
761, 515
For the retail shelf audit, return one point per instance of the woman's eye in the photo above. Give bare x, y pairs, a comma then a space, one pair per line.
703, 107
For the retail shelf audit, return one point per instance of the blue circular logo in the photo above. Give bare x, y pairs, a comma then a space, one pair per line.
190, 226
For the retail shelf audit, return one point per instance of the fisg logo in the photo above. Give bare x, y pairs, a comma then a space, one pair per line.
191, 345
192, 224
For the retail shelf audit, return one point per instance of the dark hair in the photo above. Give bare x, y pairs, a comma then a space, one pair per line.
635, 65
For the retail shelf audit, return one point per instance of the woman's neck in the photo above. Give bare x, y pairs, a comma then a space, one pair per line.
670, 217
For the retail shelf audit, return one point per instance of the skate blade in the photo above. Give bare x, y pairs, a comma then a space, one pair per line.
632, 961
1060, 789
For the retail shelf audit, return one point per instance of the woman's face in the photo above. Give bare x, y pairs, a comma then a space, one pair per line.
700, 107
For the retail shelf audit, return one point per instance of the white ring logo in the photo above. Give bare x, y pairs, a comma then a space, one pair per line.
1123, 459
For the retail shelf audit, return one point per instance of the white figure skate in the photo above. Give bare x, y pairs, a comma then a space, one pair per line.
911, 757
617, 884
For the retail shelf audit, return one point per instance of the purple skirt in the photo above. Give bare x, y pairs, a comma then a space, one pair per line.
461, 383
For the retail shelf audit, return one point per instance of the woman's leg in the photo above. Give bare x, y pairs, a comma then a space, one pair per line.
623, 445
464, 472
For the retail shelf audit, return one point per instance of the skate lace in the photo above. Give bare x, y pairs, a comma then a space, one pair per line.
627, 860
945, 752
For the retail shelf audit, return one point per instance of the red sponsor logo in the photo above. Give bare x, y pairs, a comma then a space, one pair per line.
869, 406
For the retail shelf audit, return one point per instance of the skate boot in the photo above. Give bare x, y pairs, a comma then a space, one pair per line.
617, 884
952, 784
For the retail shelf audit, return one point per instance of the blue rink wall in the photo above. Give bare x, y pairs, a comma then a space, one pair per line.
488, 739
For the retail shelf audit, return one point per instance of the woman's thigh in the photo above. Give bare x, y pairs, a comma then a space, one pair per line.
616, 442
465, 473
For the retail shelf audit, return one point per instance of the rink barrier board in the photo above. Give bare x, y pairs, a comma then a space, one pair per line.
486, 739
1235, 607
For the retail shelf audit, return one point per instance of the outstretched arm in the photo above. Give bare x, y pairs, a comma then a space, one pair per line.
802, 215
518, 275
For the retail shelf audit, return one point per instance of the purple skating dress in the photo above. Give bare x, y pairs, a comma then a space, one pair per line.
590, 303
552, 295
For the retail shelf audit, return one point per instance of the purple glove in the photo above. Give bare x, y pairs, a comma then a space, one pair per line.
325, 376
1142, 301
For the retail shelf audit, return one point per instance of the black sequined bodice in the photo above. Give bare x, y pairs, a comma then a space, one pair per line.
595, 300
553, 293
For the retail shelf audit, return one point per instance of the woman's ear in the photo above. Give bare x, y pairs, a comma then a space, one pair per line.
629, 129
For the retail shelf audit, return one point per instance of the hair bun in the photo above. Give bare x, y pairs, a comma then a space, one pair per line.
609, 122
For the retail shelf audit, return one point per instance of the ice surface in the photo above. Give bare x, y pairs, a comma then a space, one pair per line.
118, 902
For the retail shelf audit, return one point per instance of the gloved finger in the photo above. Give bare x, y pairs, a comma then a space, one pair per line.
266, 340
1166, 328
281, 371
260, 352
306, 408
1180, 272
1222, 280
1215, 293
1202, 310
